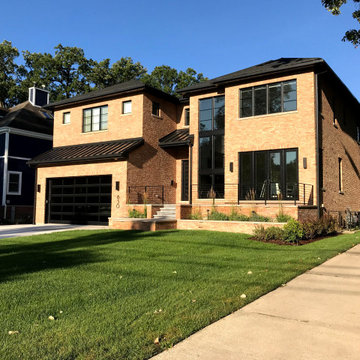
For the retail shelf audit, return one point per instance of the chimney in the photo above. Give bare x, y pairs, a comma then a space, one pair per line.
38, 97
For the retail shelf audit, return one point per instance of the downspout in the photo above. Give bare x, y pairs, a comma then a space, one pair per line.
190, 170
5, 174
317, 129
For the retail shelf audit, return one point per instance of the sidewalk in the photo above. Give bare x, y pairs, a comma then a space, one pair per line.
315, 316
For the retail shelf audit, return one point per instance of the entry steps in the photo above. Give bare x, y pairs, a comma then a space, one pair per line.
168, 211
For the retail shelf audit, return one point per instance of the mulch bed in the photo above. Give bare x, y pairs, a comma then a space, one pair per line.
301, 242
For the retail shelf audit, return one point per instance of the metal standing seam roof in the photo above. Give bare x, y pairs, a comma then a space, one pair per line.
92, 152
176, 138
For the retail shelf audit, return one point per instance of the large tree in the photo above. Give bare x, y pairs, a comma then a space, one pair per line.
8, 74
102, 75
170, 80
352, 35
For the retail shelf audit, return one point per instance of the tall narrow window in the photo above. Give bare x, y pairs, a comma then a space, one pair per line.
211, 146
187, 117
155, 108
341, 186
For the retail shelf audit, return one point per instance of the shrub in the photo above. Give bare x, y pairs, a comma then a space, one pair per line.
293, 231
216, 215
234, 216
133, 213
259, 233
274, 233
259, 218
281, 217
196, 215
327, 225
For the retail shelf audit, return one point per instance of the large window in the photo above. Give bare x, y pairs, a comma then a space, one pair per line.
271, 174
268, 99
211, 147
95, 119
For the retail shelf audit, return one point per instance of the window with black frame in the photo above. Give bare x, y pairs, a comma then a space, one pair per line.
268, 99
270, 175
95, 119
211, 147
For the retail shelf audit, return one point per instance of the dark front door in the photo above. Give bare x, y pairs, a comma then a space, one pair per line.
79, 200
185, 180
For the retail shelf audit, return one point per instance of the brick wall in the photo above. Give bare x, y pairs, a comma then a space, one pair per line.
339, 118
120, 126
151, 165
294, 129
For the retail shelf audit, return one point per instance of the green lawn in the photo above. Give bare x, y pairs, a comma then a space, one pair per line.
113, 292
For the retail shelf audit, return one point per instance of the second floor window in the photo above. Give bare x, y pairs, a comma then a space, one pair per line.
95, 119
126, 107
268, 99
155, 108
66, 118
187, 117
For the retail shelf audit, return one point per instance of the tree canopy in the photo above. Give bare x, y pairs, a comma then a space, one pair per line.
334, 6
68, 72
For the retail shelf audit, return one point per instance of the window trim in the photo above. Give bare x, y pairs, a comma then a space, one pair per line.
64, 114
252, 88
91, 123
123, 107
8, 192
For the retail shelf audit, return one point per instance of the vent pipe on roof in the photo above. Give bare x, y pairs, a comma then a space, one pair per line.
38, 97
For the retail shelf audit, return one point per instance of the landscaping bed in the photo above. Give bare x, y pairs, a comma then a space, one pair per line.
129, 295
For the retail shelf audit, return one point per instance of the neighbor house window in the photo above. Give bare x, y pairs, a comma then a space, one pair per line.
155, 108
187, 117
126, 107
66, 118
268, 99
14, 182
211, 146
270, 174
341, 186
95, 119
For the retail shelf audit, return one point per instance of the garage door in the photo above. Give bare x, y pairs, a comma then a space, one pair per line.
79, 200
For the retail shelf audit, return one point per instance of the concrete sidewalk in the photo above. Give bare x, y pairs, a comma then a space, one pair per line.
10, 231
315, 316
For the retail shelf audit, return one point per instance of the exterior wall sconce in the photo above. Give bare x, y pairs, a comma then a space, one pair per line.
231, 167
305, 163
38, 188
117, 185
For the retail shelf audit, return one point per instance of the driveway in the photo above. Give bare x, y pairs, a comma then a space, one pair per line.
9, 231
313, 317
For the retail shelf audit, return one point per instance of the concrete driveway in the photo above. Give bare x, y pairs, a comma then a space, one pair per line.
314, 317
9, 231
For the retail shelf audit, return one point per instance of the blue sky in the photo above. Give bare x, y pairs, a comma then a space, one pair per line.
213, 37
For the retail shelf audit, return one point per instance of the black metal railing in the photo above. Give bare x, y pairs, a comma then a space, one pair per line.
299, 193
152, 194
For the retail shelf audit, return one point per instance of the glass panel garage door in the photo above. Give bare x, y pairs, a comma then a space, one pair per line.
79, 200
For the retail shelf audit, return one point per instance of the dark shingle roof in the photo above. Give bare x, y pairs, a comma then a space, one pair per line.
93, 152
26, 116
128, 86
176, 138
266, 68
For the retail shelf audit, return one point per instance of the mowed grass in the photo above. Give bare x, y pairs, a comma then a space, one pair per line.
112, 293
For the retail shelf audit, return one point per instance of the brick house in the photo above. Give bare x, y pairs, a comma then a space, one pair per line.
279, 135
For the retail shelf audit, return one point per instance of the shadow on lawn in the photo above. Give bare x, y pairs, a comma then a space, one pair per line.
17, 259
